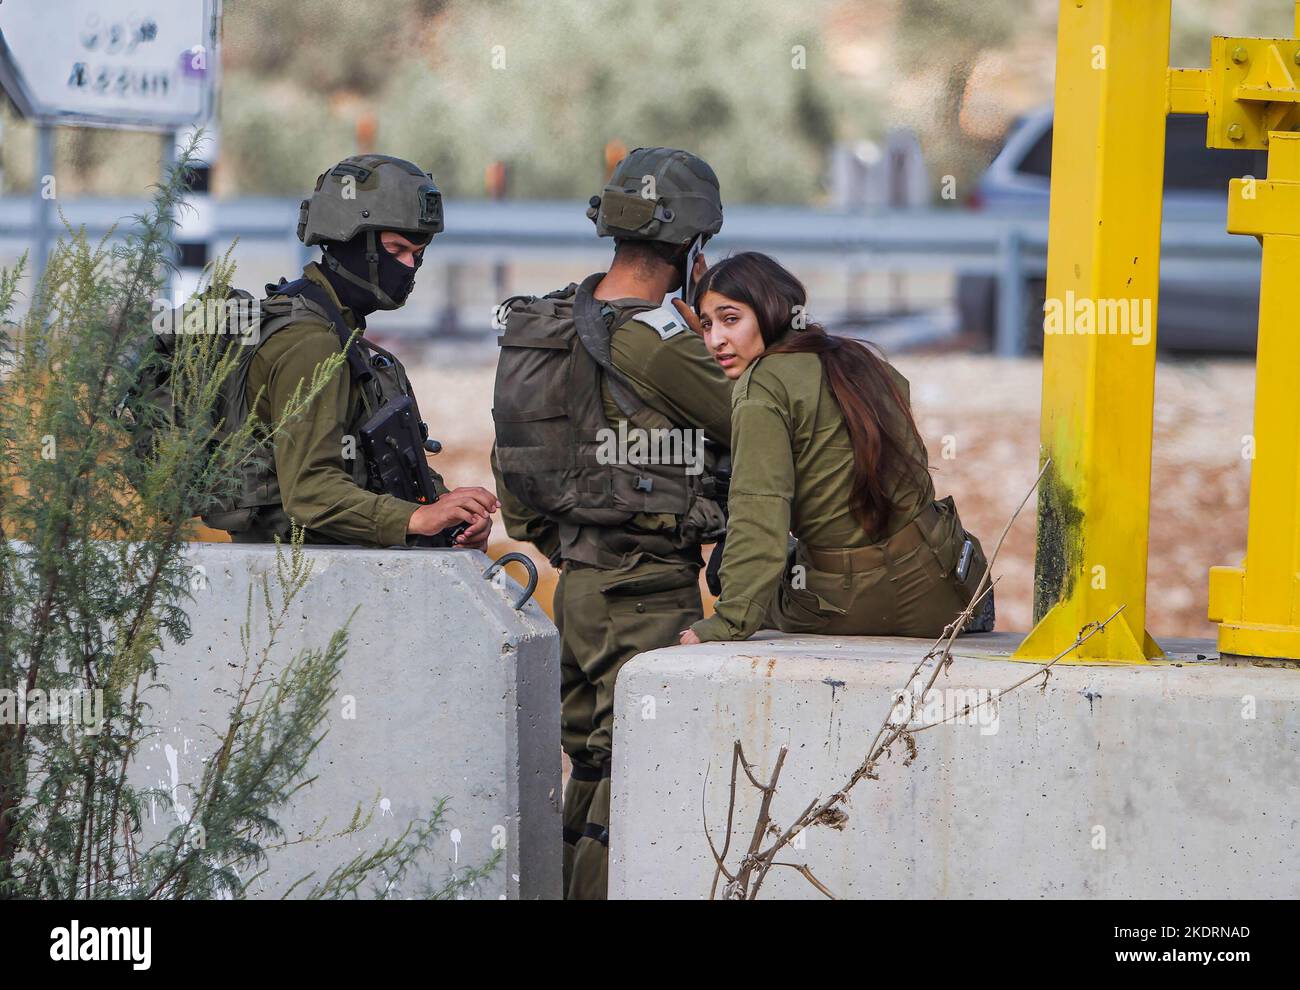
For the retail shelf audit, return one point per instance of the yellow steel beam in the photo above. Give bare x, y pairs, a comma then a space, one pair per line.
1252, 90
1189, 91
1112, 92
1257, 605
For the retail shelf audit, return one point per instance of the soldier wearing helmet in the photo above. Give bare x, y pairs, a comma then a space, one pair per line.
584, 375
372, 216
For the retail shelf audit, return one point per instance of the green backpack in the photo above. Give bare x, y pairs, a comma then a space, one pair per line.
240, 321
549, 415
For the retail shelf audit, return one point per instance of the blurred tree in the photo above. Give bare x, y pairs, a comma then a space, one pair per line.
1195, 21
461, 83
326, 46
945, 38
544, 87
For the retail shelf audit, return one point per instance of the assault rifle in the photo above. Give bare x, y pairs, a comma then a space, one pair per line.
393, 442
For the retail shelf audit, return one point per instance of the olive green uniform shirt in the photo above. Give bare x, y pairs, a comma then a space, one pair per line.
677, 377
317, 488
792, 472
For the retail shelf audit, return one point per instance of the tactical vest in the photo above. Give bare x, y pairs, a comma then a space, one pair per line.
255, 513
551, 425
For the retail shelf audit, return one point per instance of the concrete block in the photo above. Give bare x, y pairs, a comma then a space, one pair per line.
455, 695
1176, 779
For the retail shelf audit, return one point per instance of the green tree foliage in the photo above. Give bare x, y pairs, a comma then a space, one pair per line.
714, 77
460, 84
542, 86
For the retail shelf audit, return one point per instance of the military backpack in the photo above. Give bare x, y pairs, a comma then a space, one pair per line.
552, 433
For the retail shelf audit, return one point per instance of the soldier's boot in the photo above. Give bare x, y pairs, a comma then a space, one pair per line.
590, 880
583, 782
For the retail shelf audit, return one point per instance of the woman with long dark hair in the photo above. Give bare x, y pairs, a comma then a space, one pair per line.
823, 447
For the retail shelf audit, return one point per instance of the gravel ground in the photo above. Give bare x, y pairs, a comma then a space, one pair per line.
989, 408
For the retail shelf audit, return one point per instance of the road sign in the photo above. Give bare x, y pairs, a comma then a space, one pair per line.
149, 65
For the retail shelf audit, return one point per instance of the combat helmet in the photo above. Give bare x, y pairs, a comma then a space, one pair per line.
364, 195
659, 194
370, 192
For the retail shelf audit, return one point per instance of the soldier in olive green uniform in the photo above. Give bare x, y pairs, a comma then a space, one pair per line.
910, 574
372, 215
596, 357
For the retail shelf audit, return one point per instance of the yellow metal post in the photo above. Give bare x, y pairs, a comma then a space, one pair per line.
1257, 604
1253, 101
1103, 266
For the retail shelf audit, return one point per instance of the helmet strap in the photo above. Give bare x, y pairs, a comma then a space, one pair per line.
372, 260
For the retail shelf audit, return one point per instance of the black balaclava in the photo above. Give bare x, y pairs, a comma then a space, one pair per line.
347, 265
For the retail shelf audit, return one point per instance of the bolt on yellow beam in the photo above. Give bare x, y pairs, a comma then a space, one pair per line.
1252, 90
1103, 270
1257, 605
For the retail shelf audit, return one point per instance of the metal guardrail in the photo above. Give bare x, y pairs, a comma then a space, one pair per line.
1009, 248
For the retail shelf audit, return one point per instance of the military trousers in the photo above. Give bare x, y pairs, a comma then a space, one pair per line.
913, 584
605, 618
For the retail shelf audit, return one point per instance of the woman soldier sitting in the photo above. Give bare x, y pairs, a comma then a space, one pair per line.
824, 447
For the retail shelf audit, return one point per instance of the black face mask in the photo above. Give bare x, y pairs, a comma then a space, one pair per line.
347, 265
395, 278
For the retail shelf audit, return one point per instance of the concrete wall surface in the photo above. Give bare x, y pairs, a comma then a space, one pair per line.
1177, 779
446, 691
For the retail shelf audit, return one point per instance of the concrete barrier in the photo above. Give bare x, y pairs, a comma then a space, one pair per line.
1177, 779
446, 691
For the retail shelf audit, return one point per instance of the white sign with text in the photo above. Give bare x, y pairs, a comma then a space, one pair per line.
115, 63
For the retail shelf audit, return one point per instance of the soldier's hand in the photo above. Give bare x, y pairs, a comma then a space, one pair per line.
689, 316
460, 505
476, 537
688, 638
699, 268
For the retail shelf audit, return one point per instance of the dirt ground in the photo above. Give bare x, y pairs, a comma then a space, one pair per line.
988, 407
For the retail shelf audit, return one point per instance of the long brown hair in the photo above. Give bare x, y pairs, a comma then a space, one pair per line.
871, 404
